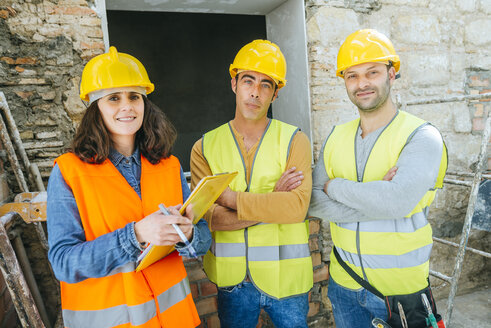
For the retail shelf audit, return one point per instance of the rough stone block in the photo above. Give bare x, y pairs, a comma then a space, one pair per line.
462, 118
440, 115
478, 81
8, 60
314, 226
47, 135
32, 81
73, 10
477, 32
463, 150
50, 95
45, 121
195, 273
313, 309
206, 306
486, 6
27, 134
26, 61
43, 144
25, 72
466, 5
321, 274
91, 45
51, 30
332, 25
24, 94
428, 70
380, 21
44, 164
208, 288
73, 106
90, 21
314, 244
4, 14
417, 29
413, 3
213, 321
478, 110
478, 124
194, 290
316, 259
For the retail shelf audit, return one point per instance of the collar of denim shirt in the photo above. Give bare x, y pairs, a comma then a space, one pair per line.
116, 157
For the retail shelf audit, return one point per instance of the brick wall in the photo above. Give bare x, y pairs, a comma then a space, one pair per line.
478, 83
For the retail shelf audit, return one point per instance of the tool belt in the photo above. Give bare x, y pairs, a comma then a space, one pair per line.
414, 315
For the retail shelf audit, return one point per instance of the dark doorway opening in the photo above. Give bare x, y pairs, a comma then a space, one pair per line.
187, 57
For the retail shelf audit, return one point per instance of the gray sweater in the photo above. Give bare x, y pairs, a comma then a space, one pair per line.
351, 201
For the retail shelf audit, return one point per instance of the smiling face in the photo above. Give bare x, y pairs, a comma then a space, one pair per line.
122, 113
254, 92
368, 85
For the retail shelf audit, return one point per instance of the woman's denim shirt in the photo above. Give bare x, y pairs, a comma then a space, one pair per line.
73, 258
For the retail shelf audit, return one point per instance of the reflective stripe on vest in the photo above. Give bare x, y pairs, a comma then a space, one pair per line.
261, 253
123, 314
106, 202
276, 256
393, 255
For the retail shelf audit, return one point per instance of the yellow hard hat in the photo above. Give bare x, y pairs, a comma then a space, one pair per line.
113, 70
366, 46
262, 56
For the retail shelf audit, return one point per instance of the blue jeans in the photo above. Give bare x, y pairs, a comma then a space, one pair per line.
354, 308
239, 307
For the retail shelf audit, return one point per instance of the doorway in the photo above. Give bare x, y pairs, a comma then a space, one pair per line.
187, 56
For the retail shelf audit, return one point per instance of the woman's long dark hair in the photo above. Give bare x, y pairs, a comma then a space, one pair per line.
155, 138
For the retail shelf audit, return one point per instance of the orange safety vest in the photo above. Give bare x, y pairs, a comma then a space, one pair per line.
158, 296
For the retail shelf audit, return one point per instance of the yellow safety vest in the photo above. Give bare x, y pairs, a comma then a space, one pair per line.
276, 256
394, 253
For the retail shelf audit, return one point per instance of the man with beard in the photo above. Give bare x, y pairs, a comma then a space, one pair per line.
259, 257
374, 181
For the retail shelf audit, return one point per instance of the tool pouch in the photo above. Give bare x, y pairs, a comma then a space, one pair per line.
414, 310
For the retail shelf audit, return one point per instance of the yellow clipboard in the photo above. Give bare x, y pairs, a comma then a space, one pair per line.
202, 197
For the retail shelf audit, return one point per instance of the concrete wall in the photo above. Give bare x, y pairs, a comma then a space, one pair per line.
444, 48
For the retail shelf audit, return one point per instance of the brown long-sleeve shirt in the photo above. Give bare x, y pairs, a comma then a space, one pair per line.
273, 207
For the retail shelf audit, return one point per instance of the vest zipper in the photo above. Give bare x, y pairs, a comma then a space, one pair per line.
358, 250
246, 240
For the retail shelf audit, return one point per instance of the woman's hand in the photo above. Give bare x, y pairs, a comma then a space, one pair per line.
157, 228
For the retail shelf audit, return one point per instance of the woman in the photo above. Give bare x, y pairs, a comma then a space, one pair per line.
103, 199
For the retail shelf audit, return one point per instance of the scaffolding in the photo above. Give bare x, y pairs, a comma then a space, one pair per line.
474, 185
27, 207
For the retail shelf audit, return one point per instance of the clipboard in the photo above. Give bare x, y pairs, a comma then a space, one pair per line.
203, 196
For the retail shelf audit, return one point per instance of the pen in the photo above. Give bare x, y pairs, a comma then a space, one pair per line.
179, 232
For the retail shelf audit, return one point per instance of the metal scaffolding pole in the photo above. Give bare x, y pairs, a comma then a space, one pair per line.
468, 220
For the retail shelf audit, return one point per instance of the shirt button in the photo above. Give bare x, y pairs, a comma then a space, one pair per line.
127, 161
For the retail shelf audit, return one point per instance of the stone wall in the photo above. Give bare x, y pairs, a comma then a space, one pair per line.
43, 47
445, 51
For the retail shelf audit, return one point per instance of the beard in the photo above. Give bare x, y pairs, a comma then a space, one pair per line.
382, 94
